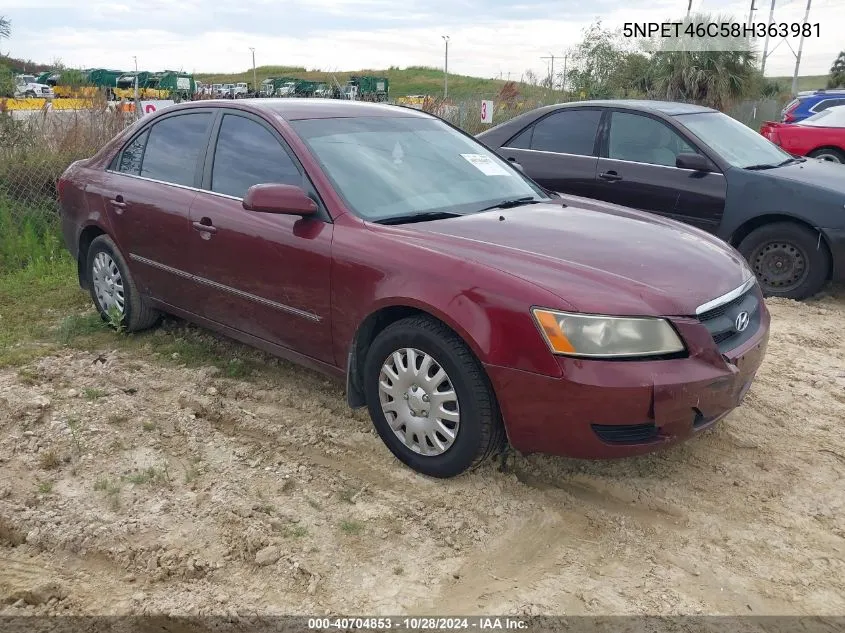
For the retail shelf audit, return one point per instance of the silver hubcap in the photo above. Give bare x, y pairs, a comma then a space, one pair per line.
108, 284
419, 402
832, 158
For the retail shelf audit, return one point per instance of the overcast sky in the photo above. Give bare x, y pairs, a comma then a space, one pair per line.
488, 37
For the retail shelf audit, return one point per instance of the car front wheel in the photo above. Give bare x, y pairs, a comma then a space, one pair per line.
789, 260
429, 398
113, 290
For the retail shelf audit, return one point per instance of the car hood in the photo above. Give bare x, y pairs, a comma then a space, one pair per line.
813, 172
597, 257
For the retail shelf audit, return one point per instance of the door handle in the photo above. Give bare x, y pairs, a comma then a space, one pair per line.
205, 226
610, 176
118, 202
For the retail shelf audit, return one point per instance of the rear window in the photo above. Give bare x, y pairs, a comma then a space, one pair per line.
567, 132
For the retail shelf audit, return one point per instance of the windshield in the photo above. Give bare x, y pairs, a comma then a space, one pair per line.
832, 117
396, 166
736, 143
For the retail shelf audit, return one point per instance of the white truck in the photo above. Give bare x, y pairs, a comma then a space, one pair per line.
26, 87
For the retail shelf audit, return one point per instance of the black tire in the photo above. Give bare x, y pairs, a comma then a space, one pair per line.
481, 431
828, 153
789, 260
137, 314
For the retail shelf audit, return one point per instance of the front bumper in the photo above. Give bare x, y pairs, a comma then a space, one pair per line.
606, 409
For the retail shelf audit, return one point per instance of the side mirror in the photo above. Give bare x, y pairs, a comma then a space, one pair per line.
696, 162
516, 164
280, 199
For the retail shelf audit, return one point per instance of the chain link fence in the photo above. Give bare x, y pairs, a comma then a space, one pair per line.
36, 146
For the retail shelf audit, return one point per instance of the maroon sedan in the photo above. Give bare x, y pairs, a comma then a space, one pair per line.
461, 304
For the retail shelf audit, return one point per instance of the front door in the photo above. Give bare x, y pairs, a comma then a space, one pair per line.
264, 274
638, 170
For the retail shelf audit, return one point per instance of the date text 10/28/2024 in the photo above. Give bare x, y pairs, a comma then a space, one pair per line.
720, 29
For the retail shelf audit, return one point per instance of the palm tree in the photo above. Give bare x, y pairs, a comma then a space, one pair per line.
5, 27
716, 78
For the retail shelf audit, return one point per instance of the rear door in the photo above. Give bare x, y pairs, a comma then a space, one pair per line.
560, 151
264, 274
637, 169
146, 194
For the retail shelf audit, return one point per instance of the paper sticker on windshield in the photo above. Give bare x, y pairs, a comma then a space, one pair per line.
486, 165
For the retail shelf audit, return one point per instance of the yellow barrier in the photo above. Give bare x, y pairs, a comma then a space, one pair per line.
40, 104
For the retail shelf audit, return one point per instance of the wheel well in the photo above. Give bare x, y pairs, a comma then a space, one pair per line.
88, 235
366, 334
836, 149
755, 223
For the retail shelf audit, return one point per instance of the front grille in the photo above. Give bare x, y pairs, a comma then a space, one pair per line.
625, 433
721, 320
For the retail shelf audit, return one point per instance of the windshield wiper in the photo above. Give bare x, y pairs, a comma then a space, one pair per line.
418, 217
514, 202
788, 161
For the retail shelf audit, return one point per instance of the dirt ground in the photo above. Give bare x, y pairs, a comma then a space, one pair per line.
131, 485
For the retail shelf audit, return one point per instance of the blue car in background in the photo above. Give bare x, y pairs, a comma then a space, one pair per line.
808, 103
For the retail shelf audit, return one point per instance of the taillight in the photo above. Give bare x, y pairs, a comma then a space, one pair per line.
61, 185
789, 113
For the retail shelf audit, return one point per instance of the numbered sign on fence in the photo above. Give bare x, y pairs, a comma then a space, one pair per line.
486, 111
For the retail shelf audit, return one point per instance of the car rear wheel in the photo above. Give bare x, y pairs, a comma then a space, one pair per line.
829, 154
789, 260
113, 290
429, 398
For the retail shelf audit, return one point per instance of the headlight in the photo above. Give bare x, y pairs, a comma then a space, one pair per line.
606, 336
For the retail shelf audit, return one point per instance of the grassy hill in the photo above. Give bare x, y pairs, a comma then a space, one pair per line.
415, 80
808, 82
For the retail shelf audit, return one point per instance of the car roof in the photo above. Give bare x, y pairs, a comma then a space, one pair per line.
292, 109
664, 107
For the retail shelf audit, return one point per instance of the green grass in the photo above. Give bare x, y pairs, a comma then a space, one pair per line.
351, 527
92, 393
807, 82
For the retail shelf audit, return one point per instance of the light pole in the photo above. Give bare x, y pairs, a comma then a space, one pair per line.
135, 57
446, 68
254, 80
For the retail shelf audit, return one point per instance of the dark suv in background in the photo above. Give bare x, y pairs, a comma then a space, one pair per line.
786, 215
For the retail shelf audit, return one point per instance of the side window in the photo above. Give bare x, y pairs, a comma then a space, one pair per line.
174, 147
828, 103
248, 154
567, 132
130, 160
522, 140
641, 139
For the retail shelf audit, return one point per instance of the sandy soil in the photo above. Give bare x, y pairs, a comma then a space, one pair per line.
129, 485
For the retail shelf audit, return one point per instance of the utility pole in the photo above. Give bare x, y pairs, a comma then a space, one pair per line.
800, 48
137, 106
751, 12
254, 79
766, 41
446, 68
552, 71
563, 82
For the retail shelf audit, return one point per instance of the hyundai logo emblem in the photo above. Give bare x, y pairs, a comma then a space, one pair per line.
742, 321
